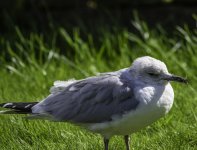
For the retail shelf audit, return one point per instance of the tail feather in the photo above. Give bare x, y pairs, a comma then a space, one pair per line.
18, 108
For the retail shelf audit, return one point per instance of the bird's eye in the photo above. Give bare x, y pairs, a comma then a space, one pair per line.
153, 74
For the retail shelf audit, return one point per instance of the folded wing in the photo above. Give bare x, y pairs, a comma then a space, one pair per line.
93, 100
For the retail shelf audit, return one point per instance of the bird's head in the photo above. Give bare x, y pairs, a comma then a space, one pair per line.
152, 71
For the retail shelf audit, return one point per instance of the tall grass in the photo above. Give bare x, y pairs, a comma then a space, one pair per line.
31, 62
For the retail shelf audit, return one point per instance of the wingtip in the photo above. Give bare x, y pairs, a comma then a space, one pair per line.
5, 105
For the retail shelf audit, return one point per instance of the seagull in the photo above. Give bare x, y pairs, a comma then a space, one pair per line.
113, 103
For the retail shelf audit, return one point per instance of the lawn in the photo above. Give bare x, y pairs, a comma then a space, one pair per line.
30, 62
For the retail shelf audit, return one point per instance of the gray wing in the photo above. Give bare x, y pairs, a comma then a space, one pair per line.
93, 100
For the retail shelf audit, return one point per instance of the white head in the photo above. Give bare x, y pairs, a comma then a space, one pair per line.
152, 71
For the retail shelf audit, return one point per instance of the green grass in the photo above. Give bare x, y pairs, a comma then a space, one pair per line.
29, 63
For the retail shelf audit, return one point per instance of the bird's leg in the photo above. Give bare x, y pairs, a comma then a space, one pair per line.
106, 143
127, 139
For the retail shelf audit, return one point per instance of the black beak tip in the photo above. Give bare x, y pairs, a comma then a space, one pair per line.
177, 79
182, 80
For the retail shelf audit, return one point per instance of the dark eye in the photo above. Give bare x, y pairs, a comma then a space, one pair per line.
153, 74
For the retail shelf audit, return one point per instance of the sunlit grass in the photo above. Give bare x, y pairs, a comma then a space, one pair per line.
30, 64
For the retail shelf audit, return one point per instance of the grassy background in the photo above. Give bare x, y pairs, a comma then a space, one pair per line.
30, 62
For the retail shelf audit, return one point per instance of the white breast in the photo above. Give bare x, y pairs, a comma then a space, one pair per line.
155, 102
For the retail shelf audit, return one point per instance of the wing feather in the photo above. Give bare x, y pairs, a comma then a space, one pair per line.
93, 100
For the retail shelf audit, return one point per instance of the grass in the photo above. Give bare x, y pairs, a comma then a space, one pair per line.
31, 62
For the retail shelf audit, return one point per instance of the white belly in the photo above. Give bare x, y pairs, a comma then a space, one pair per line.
152, 107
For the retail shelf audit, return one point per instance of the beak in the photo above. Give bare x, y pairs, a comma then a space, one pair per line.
171, 77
